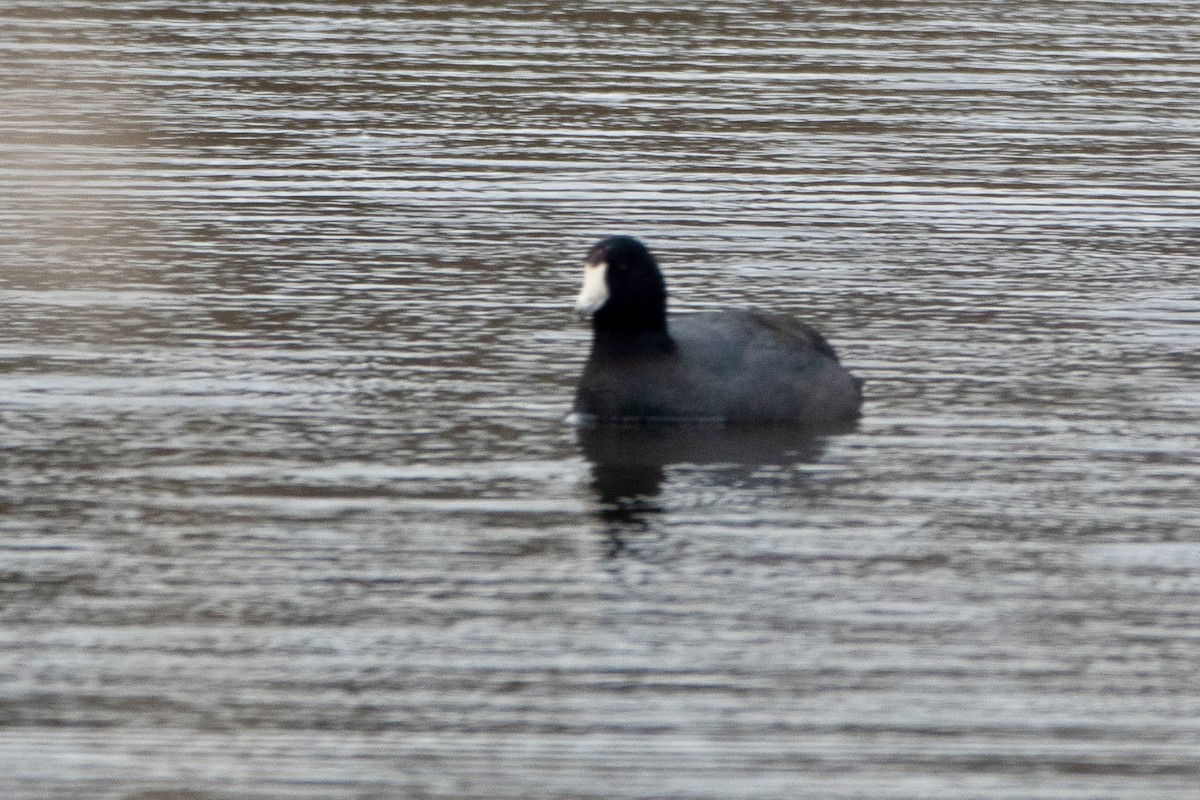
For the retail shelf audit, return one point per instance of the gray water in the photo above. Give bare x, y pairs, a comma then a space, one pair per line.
289, 506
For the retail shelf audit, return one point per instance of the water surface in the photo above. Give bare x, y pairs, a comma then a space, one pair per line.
289, 506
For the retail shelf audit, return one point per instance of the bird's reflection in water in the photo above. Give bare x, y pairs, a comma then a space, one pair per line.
629, 464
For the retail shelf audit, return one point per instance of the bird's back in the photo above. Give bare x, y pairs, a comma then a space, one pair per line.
754, 366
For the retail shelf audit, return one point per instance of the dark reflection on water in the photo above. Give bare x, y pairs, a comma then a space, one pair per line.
629, 464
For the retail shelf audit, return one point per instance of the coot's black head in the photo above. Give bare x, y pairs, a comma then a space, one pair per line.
623, 289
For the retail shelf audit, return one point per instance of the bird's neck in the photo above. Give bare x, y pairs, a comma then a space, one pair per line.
623, 344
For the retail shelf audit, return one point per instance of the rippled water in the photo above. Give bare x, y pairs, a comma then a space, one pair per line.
289, 505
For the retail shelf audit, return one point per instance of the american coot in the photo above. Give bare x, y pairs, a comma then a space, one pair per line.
728, 366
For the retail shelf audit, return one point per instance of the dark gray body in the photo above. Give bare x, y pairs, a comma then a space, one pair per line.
730, 366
